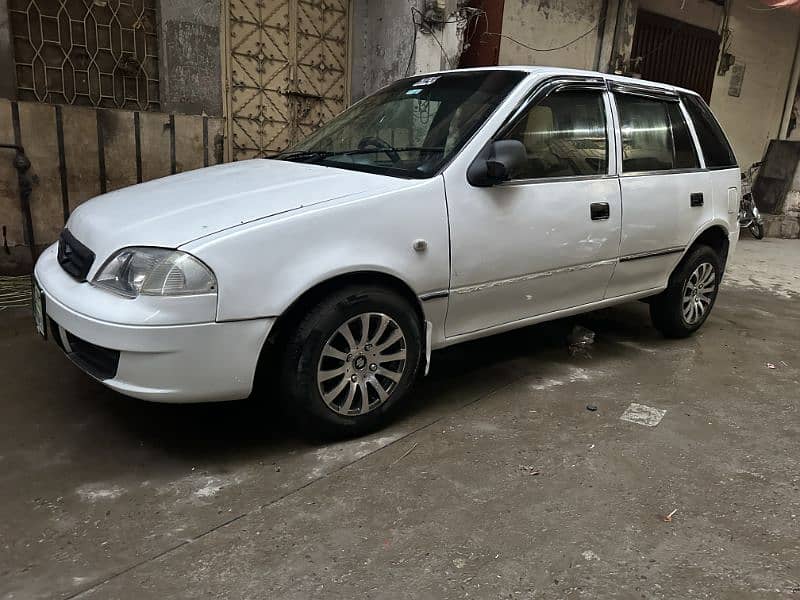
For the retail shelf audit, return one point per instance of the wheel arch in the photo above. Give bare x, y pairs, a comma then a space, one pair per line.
714, 235
304, 301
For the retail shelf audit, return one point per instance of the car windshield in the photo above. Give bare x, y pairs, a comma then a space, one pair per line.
411, 128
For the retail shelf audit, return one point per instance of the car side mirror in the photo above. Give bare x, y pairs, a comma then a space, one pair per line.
497, 162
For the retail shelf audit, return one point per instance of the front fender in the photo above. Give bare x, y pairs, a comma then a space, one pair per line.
263, 267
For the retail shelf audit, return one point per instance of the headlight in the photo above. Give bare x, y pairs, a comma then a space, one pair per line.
155, 272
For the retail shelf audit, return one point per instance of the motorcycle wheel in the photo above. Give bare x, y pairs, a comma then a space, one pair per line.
757, 229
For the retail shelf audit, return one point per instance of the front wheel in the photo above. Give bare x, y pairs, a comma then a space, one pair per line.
351, 360
757, 230
684, 306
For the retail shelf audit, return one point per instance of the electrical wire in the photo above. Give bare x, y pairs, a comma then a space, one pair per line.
482, 13
553, 49
416, 11
477, 14
413, 44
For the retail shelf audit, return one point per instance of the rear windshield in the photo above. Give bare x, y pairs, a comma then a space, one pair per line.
716, 149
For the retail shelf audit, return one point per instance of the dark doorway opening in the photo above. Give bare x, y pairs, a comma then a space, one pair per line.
674, 52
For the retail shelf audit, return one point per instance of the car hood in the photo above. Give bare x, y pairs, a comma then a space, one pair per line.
175, 210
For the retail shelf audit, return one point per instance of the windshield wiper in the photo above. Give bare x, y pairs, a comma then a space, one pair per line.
302, 154
309, 155
393, 149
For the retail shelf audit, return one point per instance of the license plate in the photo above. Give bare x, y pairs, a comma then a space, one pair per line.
39, 314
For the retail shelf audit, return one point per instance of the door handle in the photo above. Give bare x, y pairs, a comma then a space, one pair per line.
599, 211
696, 199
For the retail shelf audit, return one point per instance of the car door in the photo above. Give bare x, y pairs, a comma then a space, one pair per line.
548, 239
666, 194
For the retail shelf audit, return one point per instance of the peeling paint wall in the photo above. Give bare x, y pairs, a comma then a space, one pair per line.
386, 44
382, 44
700, 13
546, 24
189, 58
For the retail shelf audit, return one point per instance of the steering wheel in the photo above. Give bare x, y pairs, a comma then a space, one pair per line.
386, 147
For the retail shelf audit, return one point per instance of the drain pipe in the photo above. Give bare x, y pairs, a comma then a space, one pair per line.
22, 164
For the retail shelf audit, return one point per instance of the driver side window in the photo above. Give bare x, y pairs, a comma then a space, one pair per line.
564, 136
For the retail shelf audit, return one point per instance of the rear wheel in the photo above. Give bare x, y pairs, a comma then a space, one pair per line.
351, 360
684, 306
757, 230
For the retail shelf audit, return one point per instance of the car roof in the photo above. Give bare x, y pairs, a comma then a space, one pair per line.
541, 72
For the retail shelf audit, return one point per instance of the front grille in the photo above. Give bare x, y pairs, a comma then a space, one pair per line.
99, 362
75, 258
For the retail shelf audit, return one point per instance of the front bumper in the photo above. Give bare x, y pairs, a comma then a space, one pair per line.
193, 362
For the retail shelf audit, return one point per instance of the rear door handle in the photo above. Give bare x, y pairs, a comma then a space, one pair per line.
599, 211
696, 199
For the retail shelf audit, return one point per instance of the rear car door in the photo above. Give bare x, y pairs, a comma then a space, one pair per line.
549, 238
666, 193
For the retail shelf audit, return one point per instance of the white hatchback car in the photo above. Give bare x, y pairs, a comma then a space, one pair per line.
443, 208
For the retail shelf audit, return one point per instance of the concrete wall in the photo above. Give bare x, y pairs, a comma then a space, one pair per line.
189, 57
701, 13
382, 39
765, 42
386, 44
94, 141
546, 24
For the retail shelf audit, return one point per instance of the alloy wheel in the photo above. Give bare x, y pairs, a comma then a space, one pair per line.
698, 293
361, 364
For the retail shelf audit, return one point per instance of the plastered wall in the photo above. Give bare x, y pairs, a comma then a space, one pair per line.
546, 24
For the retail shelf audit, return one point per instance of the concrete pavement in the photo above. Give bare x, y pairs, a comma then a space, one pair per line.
496, 482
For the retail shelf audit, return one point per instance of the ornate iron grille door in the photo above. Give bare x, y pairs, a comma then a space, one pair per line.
90, 52
288, 71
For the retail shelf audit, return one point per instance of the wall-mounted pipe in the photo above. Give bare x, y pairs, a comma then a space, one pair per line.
22, 164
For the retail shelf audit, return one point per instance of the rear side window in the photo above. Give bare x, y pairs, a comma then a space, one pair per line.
683, 144
564, 136
716, 149
655, 136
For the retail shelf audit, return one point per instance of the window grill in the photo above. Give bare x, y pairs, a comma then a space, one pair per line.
88, 52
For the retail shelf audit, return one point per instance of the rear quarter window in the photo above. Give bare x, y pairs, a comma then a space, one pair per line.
716, 149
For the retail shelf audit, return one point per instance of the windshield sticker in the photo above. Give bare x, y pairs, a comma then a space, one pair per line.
426, 81
413, 92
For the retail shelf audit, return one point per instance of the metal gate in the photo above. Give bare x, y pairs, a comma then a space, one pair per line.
90, 53
675, 52
287, 71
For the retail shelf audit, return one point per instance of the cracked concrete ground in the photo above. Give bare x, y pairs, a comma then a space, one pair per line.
496, 481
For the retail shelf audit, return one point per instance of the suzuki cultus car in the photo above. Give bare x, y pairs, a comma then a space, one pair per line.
443, 208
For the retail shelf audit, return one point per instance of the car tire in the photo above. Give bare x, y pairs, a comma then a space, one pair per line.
683, 307
329, 375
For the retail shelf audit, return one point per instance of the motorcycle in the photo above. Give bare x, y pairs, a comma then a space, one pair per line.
749, 216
